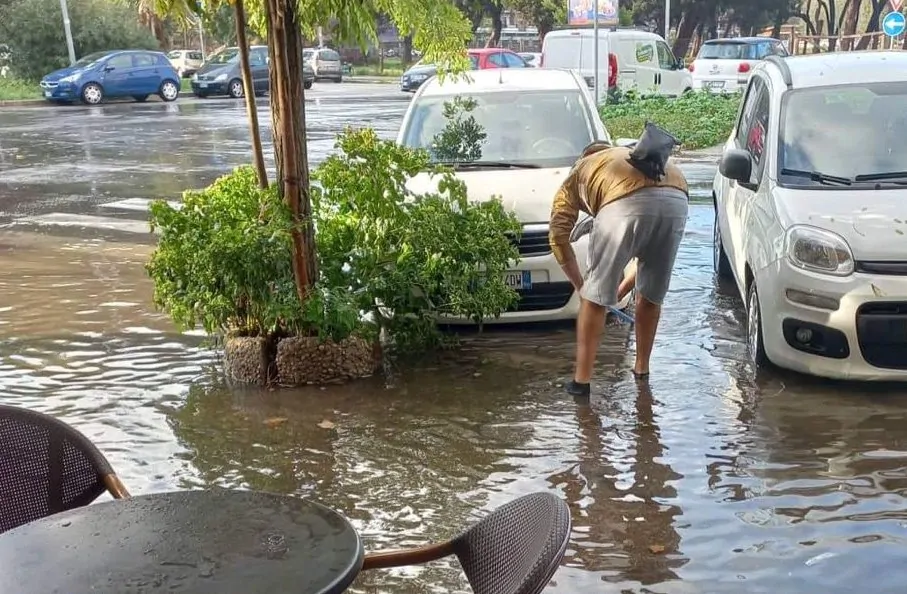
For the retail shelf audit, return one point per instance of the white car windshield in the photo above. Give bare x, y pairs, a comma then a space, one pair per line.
844, 133
531, 128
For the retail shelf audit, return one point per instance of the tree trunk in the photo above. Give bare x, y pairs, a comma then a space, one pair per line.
258, 158
851, 18
873, 26
688, 23
497, 25
285, 45
407, 50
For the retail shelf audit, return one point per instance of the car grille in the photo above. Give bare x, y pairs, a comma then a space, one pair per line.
533, 243
544, 296
49, 85
890, 268
882, 333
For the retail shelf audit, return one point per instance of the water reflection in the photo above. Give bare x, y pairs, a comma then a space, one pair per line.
624, 490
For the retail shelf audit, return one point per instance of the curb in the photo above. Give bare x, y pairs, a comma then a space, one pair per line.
22, 102
381, 80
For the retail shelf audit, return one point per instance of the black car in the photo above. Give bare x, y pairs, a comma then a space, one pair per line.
413, 78
221, 75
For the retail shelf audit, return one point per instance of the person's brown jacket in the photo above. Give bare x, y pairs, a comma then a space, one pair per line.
597, 180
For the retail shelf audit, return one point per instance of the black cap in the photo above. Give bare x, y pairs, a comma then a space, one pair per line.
651, 153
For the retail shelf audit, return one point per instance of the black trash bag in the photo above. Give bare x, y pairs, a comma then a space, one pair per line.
652, 150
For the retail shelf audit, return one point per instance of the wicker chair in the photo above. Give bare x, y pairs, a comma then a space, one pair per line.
515, 550
47, 467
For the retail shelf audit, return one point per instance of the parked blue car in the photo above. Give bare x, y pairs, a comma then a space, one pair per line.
107, 75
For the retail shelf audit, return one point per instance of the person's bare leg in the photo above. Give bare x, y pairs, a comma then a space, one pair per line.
589, 327
647, 316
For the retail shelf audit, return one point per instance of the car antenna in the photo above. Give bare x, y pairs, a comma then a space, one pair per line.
501, 70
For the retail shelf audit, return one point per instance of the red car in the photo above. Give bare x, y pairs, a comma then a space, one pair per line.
495, 57
482, 59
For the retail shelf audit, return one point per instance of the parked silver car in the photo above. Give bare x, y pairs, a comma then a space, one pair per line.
325, 62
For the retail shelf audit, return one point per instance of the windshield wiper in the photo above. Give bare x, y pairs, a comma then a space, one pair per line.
816, 176
492, 165
892, 176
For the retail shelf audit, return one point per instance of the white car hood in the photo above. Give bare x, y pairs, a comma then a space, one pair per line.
526, 192
874, 222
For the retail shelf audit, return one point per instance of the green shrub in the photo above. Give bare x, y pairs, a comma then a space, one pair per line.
33, 29
223, 259
13, 89
419, 256
698, 119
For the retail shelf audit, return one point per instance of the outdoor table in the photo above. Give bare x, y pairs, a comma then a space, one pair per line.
204, 542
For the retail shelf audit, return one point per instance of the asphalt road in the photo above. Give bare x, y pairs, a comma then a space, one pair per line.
72, 166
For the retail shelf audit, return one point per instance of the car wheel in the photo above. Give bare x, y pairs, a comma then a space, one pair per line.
235, 88
169, 90
339, 79
140, 98
719, 256
308, 84
755, 345
92, 94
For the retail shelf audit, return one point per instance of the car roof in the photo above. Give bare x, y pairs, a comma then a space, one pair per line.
488, 50
503, 79
837, 68
739, 40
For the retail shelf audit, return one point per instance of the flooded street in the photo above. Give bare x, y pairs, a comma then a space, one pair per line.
708, 481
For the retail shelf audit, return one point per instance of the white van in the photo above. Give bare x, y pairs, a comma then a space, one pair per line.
628, 59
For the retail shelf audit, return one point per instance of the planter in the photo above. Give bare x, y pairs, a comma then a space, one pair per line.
306, 361
299, 361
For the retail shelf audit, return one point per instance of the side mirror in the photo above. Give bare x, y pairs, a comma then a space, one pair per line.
109, 68
736, 164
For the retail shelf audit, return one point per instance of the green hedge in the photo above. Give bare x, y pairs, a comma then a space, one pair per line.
698, 119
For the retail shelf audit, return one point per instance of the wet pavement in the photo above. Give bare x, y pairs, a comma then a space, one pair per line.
713, 480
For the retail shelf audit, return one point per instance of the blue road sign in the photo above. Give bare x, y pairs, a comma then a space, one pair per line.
894, 24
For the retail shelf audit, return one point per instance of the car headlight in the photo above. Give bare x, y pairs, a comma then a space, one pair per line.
818, 250
221, 77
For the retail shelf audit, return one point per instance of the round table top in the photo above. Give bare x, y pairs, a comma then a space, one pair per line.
204, 542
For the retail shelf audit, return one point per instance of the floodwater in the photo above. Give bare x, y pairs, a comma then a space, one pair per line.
711, 480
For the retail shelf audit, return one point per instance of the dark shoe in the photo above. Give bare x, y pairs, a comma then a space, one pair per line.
575, 388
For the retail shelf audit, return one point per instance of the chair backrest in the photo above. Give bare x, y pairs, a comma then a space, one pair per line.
46, 467
518, 547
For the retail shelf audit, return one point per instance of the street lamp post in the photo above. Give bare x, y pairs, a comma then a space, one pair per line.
67, 27
595, 46
667, 20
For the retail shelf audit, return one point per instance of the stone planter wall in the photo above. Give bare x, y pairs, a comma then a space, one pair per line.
301, 361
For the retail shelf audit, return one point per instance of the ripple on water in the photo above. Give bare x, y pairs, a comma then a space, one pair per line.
711, 480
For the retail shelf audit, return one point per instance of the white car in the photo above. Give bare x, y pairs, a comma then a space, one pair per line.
537, 123
628, 59
724, 65
811, 214
186, 62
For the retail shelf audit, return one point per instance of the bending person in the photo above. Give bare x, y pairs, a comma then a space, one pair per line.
639, 201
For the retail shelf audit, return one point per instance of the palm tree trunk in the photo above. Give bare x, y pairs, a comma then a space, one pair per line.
285, 45
248, 84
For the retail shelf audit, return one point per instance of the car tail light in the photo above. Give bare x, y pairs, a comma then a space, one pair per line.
744, 67
612, 70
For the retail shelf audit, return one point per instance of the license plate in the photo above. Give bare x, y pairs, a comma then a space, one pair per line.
716, 84
47, 94
203, 85
520, 280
